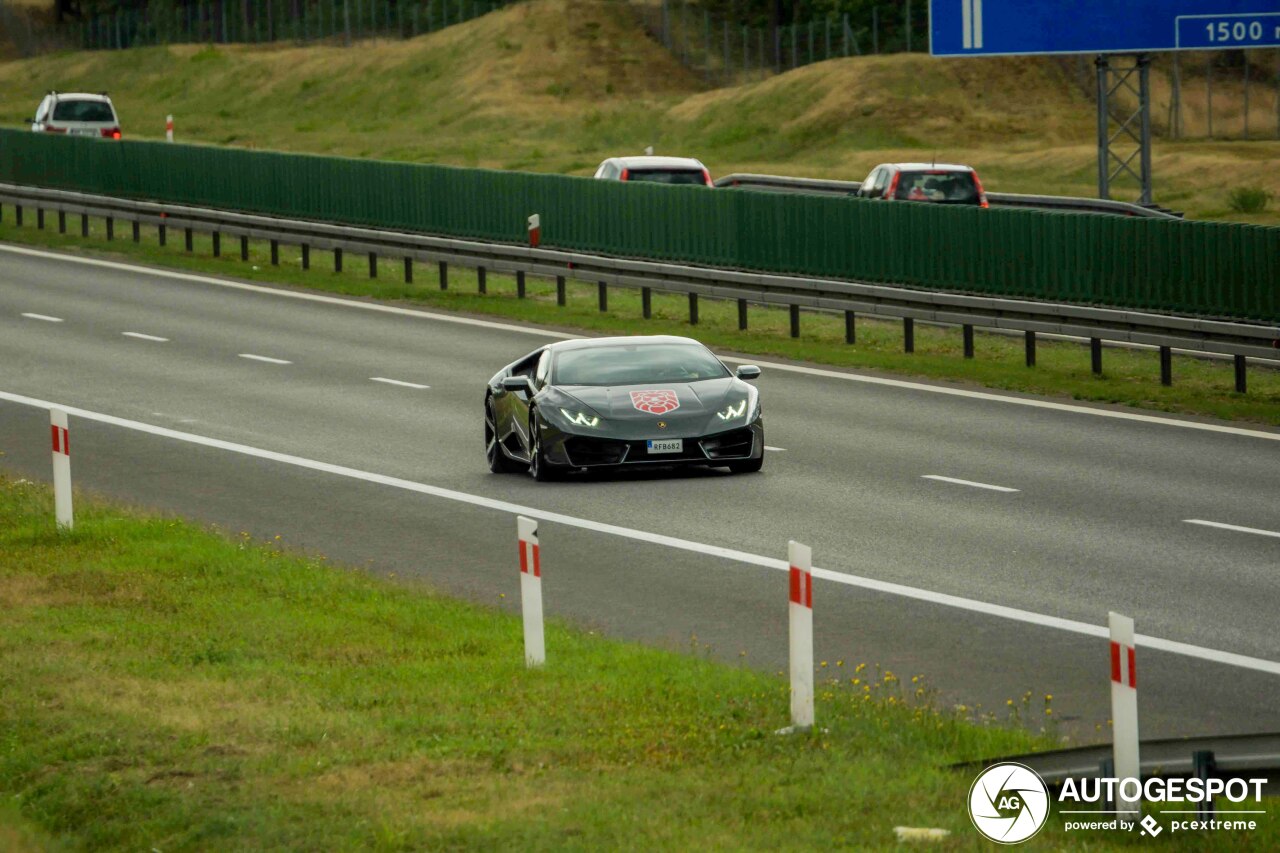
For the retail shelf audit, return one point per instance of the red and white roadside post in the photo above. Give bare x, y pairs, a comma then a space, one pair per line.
1124, 713
168, 128
801, 559
535, 231
61, 468
535, 652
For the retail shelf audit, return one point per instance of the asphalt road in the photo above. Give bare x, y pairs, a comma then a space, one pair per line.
1098, 521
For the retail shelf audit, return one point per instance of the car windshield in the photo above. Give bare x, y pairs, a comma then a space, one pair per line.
83, 111
668, 176
937, 186
636, 365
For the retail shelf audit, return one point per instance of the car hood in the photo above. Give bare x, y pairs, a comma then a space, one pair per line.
620, 406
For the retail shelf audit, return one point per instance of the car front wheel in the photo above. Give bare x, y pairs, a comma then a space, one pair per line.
499, 462
541, 470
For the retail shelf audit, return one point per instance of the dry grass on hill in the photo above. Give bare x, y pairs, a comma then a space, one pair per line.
558, 85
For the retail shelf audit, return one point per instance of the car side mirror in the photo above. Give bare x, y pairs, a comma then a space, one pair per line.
518, 383
748, 371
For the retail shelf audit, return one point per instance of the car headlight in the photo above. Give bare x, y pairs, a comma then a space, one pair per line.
580, 418
733, 411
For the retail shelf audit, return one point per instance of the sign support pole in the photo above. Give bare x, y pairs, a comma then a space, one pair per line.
1103, 66
1132, 126
1144, 87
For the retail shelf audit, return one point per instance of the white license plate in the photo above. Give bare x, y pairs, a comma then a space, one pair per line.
669, 445
87, 131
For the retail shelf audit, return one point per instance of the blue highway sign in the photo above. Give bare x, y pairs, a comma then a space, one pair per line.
1005, 27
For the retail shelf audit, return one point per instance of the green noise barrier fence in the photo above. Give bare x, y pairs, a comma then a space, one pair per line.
1195, 268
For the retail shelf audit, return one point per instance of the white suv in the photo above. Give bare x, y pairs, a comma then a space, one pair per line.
77, 114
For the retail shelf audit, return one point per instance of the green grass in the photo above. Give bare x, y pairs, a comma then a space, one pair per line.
166, 687
171, 688
1130, 377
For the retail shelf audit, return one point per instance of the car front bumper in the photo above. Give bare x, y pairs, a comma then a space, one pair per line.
575, 450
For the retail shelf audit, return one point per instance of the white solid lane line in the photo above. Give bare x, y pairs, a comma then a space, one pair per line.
44, 317
399, 382
942, 479
140, 336
546, 333
1015, 614
267, 359
1234, 527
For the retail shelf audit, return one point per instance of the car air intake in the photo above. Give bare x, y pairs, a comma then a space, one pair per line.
594, 451
728, 445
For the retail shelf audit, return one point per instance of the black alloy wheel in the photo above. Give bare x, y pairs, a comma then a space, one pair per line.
541, 470
499, 463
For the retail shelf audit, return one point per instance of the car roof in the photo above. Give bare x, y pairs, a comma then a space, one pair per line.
649, 162
922, 167
80, 96
620, 341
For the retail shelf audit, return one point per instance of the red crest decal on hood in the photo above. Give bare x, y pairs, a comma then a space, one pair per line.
655, 402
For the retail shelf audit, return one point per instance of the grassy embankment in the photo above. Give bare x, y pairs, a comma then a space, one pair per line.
169, 688
558, 85
1062, 370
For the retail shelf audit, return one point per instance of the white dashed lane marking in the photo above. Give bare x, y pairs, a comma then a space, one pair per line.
177, 418
971, 483
265, 358
1235, 527
140, 336
44, 317
775, 449
398, 382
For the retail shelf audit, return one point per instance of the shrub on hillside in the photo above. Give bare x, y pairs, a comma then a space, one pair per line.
1248, 199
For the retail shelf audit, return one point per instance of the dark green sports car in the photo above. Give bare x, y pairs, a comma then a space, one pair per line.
622, 402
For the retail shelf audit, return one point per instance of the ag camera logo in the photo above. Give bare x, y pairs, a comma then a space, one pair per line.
1008, 803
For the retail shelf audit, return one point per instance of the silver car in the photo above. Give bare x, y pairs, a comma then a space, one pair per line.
658, 170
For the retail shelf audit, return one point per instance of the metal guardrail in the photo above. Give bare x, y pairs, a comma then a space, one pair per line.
1230, 755
1031, 317
1070, 204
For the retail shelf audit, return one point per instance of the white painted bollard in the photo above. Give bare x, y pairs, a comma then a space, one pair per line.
168, 128
535, 231
61, 467
535, 653
801, 559
1124, 714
